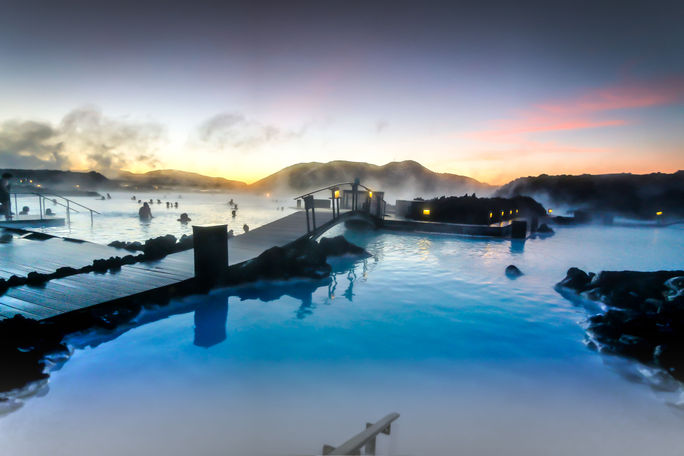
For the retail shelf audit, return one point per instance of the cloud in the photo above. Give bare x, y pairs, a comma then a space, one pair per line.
591, 109
84, 139
656, 93
30, 145
110, 145
238, 132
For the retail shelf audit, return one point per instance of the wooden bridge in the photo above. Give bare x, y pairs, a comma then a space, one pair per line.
57, 298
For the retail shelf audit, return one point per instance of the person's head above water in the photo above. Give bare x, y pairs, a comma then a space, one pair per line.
184, 217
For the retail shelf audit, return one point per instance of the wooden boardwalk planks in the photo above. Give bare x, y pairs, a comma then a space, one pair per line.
60, 296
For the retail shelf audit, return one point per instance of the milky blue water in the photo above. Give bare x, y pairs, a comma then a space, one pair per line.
118, 217
429, 327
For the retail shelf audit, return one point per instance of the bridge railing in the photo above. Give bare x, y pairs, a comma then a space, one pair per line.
364, 439
353, 200
67, 203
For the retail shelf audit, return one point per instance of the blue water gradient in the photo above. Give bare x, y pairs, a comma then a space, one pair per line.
429, 327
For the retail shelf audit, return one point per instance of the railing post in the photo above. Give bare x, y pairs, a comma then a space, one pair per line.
370, 445
309, 204
40, 206
68, 214
91, 218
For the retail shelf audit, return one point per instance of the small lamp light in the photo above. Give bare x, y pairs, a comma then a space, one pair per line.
426, 211
491, 214
550, 211
370, 194
337, 193
659, 213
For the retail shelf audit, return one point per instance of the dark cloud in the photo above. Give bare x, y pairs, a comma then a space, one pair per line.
30, 144
85, 138
236, 131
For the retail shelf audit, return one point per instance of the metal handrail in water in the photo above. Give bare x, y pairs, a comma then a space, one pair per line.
42, 196
364, 438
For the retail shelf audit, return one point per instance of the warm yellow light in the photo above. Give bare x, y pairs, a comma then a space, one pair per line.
511, 212
370, 194
268, 195
30, 181
550, 211
77, 186
426, 211
516, 211
659, 213
502, 213
337, 193
491, 214
38, 185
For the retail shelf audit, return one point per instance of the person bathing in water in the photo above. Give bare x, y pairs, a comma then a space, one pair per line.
145, 213
184, 218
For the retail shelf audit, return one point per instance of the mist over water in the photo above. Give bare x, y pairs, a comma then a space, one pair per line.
118, 219
429, 327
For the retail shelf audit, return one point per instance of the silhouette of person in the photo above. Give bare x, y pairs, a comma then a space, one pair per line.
5, 205
246, 228
24, 210
145, 213
184, 218
175, 204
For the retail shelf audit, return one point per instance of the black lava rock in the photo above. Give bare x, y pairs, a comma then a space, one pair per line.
645, 316
545, 229
340, 246
512, 272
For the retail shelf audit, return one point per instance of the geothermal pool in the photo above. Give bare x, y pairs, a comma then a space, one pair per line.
429, 327
118, 219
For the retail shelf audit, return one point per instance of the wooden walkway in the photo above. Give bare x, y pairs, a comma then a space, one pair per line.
60, 296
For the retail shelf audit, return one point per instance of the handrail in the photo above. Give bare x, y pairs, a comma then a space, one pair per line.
364, 438
39, 194
42, 196
330, 187
67, 199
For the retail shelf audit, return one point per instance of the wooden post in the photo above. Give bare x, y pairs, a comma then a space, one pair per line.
355, 198
519, 229
210, 245
309, 204
379, 201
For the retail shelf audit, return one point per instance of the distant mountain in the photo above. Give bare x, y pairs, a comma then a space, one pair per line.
406, 179
627, 195
64, 182
171, 178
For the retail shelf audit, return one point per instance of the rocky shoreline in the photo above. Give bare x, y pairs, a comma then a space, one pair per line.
641, 317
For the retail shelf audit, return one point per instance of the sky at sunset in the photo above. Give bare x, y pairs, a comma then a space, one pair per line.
491, 90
